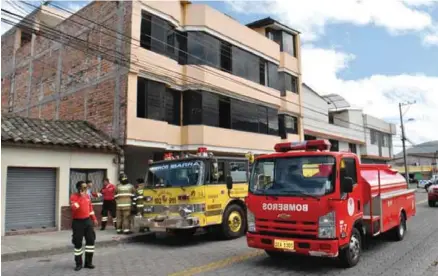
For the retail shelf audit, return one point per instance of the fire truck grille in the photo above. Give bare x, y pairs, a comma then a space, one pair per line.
288, 228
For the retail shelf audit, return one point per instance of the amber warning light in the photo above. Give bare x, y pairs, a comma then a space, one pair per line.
311, 145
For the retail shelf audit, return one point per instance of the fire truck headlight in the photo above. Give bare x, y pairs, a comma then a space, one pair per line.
148, 209
327, 226
184, 212
250, 221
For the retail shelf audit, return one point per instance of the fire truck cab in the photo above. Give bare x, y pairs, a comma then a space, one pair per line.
432, 194
307, 200
187, 192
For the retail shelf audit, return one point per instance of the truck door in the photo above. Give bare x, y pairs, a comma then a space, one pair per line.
354, 202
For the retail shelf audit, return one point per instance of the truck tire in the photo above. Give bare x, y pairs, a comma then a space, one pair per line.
350, 255
431, 203
233, 223
399, 232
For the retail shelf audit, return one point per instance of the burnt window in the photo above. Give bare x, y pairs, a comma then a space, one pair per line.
157, 102
158, 35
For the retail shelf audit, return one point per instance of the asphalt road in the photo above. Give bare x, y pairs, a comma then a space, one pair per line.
417, 254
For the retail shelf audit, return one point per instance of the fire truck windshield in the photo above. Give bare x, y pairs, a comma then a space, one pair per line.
299, 176
177, 173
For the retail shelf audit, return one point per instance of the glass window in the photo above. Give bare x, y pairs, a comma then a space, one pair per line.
273, 79
335, 145
172, 100
96, 176
291, 124
288, 45
154, 98
192, 108
348, 169
203, 49
352, 147
158, 36
294, 176
374, 136
239, 171
273, 121
217, 177
263, 119
245, 64
176, 173
290, 83
244, 116
210, 109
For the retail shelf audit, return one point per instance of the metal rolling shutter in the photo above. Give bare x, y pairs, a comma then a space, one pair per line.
30, 198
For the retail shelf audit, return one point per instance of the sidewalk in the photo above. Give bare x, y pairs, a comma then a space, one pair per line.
51, 243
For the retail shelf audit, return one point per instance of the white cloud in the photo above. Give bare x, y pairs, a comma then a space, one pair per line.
311, 16
431, 38
378, 95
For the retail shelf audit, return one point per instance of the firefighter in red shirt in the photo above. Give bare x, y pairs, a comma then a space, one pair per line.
109, 203
82, 225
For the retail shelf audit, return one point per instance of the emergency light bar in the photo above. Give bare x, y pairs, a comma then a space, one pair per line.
202, 151
305, 145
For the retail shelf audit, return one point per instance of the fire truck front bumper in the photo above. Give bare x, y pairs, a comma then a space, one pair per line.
432, 196
320, 248
162, 224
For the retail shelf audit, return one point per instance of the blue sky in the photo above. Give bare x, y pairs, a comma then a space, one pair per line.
375, 53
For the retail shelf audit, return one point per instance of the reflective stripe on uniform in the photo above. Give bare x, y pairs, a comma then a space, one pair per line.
78, 252
76, 204
139, 197
133, 203
140, 205
124, 205
125, 194
140, 191
126, 230
89, 248
119, 230
92, 213
114, 220
104, 218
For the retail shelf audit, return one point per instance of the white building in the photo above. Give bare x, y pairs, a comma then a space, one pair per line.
41, 162
348, 129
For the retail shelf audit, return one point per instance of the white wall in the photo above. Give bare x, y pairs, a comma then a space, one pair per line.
63, 161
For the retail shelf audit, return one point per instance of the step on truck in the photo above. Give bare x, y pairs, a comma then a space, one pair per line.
187, 192
307, 200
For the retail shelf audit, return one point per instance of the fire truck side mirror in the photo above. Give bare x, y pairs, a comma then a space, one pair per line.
347, 185
229, 182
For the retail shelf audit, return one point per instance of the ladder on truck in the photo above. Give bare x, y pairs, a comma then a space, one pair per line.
373, 212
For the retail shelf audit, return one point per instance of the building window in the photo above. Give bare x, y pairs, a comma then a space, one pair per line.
158, 35
331, 119
309, 137
157, 102
352, 147
287, 124
201, 107
288, 45
373, 136
290, 83
95, 175
335, 145
272, 75
203, 49
245, 64
286, 40
226, 57
385, 140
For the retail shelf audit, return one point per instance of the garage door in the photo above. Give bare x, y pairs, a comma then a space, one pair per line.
30, 198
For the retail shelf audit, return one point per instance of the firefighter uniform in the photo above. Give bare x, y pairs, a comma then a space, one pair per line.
140, 200
109, 204
82, 226
124, 195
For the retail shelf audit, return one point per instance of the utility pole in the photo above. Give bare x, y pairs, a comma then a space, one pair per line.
400, 105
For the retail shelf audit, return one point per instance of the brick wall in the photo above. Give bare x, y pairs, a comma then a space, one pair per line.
51, 80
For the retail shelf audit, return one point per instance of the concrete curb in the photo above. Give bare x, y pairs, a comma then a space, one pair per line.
15, 256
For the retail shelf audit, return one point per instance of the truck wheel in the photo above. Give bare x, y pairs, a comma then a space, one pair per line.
350, 255
233, 223
431, 203
400, 231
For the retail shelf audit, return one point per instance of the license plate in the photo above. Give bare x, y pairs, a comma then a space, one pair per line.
284, 244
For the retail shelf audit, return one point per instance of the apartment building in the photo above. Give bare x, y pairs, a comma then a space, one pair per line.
348, 129
157, 76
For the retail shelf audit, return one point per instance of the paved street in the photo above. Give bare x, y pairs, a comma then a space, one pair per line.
416, 255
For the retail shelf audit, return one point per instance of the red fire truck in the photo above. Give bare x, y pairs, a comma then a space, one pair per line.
432, 194
308, 200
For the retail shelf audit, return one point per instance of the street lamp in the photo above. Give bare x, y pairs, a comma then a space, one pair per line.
400, 105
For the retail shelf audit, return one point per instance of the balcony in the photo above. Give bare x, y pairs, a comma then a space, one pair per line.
289, 62
318, 128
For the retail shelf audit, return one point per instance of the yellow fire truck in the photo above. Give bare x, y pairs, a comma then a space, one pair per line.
185, 193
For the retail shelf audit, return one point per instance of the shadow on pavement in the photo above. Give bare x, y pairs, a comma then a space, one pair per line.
165, 239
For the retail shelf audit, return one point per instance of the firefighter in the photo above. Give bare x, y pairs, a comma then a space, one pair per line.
124, 195
82, 225
139, 199
109, 203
